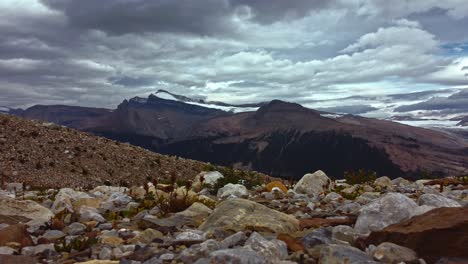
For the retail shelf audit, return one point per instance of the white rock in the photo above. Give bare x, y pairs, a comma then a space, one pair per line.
389, 209
233, 190
28, 209
65, 198
35, 250
212, 177
437, 201
7, 251
384, 182
313, 184
274, 249
90, 214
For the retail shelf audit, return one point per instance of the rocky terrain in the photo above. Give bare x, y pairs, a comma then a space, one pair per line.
279, 138
317, 220
47, 155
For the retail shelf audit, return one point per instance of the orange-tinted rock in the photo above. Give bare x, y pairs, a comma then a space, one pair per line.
318, 222
276, 184
12, 259
15, 233
442, 232
292, 243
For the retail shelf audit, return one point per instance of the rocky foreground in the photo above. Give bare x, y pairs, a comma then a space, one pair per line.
315, 221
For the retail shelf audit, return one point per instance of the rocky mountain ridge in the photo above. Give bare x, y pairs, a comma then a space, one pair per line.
281, 139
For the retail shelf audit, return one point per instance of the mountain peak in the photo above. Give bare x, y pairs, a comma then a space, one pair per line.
278, 105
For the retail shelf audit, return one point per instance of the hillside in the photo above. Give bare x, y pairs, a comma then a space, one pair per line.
280, 138
44, 154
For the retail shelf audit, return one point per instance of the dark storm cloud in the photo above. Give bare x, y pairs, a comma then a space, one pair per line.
121, 17
205, 17
130, 81
96, 53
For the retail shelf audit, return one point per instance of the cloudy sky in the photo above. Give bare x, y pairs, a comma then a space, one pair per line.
96, 53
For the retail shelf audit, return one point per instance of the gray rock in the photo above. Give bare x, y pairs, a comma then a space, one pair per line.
269, 249
233, 240
190, 236
14, 187
53, 235
25, 209
197, 251
167, 257
332, 197
105, 226
367, 197
211, 177
393, 254
344, 233
384, 182
339, 254
75, 229
319, 236
105, 253
65, 198
241, 214
349, 208
313, 184
437, 201
233, 190
90, 214
401, 182
7, 251
236, 255
35, 250
116, 201
389, 209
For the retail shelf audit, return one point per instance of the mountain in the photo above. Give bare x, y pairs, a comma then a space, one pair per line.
279, 138
47, 155
463, 121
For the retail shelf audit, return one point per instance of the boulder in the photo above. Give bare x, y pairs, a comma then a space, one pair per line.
332, 197
90, 214
389, 209
65, 198
210, 177
53, 235
240, 214
269, 249
86, 202
146, 237
313, 184
317, 237
233, 190
193, 216
442, 232
437, 201
75, 229
384, 183
15, 233
344, 233
24, 209
394, 254
339, 254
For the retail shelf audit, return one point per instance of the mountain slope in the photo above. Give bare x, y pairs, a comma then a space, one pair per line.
288, 140
42, 154
280, 138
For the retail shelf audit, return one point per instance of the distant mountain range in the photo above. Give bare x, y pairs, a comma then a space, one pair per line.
279, 138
